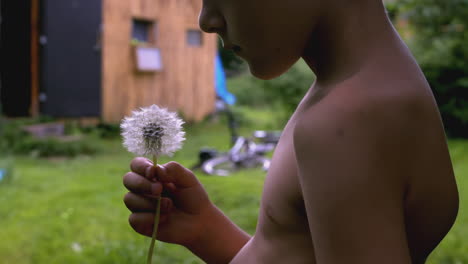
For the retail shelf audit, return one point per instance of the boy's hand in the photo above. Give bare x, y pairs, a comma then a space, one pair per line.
185, 207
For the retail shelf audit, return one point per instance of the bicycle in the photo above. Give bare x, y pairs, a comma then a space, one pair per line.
244, 153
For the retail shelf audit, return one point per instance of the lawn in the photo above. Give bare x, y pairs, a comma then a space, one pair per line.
71, 210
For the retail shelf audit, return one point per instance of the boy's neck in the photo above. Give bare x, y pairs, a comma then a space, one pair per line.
347, 39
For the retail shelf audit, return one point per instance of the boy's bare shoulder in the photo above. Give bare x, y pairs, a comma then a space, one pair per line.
372, 128
364, 115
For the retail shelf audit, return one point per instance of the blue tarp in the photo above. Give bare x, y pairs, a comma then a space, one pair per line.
2, 173
220, 83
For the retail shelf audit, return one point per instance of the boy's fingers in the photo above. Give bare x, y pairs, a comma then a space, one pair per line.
170, 172
138, 203
142, 166
138, 184
177, 174
166, 205
143, 222
169, 187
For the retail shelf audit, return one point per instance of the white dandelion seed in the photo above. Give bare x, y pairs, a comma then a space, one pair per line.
152, 131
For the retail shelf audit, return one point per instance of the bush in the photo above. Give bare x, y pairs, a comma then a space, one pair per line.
14, 140
248, 92
52, 147
288, 89
283, 93
11, 134
104, 130
439, 38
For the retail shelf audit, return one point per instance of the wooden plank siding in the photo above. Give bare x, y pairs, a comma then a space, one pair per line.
34, 107
185, 84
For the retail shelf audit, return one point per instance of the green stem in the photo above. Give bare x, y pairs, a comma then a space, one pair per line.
156, 222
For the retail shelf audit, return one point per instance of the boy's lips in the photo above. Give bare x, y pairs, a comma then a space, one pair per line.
233, 47
229, 46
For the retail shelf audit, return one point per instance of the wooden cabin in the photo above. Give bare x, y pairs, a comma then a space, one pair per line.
104, 58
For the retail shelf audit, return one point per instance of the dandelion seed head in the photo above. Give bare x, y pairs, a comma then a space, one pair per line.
152, 131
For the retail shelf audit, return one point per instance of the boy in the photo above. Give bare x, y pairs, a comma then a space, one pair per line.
361, 174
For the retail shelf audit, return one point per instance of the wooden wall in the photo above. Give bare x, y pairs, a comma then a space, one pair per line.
185, 84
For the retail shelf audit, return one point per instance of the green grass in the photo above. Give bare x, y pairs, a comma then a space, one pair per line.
71, 210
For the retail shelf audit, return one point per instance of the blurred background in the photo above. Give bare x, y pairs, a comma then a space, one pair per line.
72, 69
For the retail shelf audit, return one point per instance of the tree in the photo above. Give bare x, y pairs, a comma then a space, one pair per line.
439, 39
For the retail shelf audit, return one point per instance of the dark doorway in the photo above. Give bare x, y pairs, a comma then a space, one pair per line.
70, 58
15, 62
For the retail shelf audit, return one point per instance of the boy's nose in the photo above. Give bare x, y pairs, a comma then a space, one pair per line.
211, 21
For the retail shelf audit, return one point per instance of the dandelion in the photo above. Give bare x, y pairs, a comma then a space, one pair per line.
153, 131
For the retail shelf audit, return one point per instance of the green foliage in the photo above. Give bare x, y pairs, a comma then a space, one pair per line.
52, 147
392, 10
260, 118
248, 92
288, 89
103, 130
439, 42
14, 140
233, 65
11, 136
283, 93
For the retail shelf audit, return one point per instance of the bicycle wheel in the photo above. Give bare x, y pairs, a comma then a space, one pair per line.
221, 166
257, 161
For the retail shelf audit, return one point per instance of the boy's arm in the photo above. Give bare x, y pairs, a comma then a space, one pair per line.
350, 170
221, 241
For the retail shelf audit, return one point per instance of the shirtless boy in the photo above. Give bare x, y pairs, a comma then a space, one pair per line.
362, 172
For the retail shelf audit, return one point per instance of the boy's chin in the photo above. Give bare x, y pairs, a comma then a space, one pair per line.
268, 68
264, 72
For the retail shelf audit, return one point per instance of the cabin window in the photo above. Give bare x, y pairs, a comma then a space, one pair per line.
194, 37
144, 31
